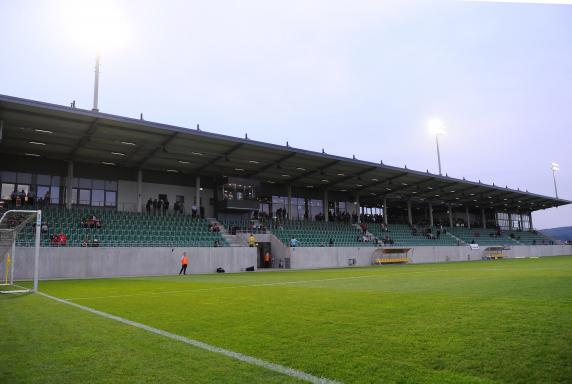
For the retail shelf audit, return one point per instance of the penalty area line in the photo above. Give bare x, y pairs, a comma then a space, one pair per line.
199, 344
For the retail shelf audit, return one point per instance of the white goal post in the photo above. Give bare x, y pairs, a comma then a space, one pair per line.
9, 231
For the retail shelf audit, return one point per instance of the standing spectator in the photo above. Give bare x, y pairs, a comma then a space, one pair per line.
165, 205
149, 205
194, 209
184, 263
47, 198
155, 205
14, 196
251, 240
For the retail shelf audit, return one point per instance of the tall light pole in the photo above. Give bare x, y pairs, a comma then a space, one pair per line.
436, 127
96, 83
555, 167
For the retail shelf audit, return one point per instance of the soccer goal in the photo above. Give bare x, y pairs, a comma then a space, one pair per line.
12, 223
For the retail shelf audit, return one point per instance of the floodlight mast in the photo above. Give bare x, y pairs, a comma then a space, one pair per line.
436, 127
96, 84
555, 167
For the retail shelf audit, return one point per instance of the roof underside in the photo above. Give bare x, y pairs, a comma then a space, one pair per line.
64, 133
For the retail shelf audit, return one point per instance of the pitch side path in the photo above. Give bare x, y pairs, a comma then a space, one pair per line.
476, 322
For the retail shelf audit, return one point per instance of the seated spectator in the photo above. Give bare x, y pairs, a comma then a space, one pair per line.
95, 242
62, 239
45, 227
54, 239
331, 242
216, 244
84, 242
210, 228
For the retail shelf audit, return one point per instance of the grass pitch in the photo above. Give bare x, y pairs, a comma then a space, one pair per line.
480, 322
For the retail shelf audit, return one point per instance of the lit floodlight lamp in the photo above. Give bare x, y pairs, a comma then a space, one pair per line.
436, 127
555, 167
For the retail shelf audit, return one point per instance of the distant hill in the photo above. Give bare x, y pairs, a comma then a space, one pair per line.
561, 233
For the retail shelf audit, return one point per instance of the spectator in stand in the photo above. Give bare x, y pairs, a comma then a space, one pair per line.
47, 198
194, 209
160, 206
155, 205
84, 242
95, 242
165, 205
149, 205
216, 244
62, 239
331, 242
13, 197
251, 240
294, 242
363, 227
45, 227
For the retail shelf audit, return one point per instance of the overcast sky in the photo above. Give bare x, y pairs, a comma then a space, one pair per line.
352, 77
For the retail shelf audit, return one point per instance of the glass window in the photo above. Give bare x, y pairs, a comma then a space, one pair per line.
56, 181
110, 198
74, 195
7, 190
23, 187
55, 195
97, 197
111, 185
25, 178
43, 179
42, 190
84, 196
98, 184
9, 177
84, 183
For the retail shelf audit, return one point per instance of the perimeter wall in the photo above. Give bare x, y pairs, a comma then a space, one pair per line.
71, 263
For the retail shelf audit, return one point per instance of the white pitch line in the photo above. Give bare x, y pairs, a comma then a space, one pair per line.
269, 284
207, 347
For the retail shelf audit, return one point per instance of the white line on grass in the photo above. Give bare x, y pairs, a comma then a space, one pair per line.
268, 284
207, 347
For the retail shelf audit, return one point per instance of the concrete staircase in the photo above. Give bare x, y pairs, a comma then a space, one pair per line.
232, 240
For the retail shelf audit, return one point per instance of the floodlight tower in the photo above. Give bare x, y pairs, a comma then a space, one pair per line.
96, 83
436, 127
555, 167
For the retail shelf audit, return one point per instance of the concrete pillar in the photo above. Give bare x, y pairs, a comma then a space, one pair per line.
430, 214
358, 209
450, 209
326, 204
409, 214
198, 193
520, 222
385, 211
139, 190
69, 185
530, 220
289, 201
484, 218
468, 216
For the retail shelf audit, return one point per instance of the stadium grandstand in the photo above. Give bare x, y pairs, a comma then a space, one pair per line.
113, 182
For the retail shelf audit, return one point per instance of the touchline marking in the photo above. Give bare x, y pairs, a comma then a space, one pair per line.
266, 284
207, 347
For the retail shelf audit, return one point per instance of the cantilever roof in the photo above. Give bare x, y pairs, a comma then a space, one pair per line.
93, 137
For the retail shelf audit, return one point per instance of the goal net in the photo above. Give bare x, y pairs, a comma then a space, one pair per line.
12, 224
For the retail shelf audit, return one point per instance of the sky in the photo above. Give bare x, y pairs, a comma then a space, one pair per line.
352, 77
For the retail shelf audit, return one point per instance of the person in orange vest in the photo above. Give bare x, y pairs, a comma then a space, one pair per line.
267, 259
184, 263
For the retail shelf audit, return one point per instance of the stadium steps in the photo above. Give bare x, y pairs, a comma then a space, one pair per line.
231, 240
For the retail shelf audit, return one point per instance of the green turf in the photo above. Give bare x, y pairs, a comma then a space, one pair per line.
504, 321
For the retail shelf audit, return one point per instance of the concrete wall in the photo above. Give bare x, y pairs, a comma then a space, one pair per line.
57, 263
70, 262
324, 257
